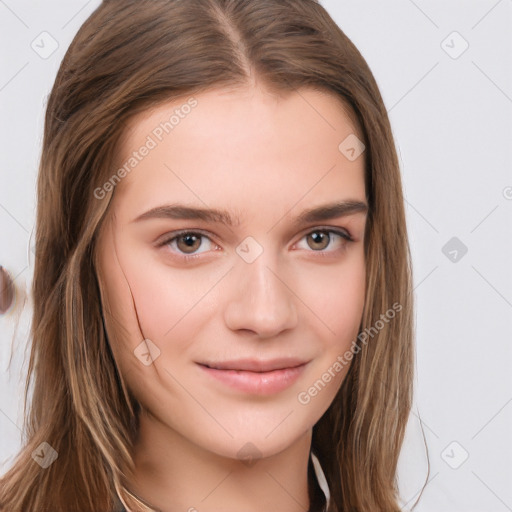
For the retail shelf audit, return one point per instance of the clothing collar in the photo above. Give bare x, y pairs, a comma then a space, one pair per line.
318, 489
320, 476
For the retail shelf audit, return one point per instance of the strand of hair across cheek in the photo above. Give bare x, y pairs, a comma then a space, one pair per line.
134, 496
127, 283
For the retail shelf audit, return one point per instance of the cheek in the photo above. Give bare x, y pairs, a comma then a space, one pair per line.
347, 302
337, 298
172, 304
335, 295
143, 300
340, 310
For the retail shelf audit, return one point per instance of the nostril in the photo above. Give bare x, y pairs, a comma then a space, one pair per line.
6, 290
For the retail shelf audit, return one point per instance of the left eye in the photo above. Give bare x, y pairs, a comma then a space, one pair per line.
321, 238
188, 243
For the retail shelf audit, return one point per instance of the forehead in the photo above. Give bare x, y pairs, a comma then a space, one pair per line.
240, 144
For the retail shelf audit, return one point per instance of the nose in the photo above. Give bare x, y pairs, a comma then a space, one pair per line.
261, 300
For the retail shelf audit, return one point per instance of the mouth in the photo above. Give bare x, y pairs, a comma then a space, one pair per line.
255, 365
255, 376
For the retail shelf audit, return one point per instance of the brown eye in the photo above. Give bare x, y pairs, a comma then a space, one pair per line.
319, 240
324, 241
188, 243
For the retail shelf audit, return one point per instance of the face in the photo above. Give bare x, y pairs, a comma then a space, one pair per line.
234, 247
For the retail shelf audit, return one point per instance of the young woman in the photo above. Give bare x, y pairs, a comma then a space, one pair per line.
222, 285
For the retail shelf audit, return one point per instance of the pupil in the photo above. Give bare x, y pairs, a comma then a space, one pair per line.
188, 242
190, 238
318, 236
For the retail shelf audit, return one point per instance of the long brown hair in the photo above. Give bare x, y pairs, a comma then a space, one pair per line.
128, 56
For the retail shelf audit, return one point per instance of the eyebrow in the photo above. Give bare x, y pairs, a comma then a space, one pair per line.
316, 214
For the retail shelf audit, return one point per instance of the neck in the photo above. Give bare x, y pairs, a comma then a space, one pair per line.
172, 474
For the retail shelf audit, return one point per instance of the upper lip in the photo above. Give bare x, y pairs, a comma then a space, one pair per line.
256, 365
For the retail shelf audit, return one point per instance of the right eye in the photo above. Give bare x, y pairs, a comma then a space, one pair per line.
186, 243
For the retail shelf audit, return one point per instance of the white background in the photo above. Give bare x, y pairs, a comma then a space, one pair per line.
451, 113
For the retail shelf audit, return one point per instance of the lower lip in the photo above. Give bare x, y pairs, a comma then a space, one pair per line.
264, 383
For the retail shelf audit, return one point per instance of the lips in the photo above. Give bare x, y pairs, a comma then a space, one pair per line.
254, 365
253, 376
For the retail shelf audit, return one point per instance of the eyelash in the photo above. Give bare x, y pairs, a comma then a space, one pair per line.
345, 235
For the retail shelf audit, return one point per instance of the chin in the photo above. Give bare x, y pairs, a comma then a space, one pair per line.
256, 436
